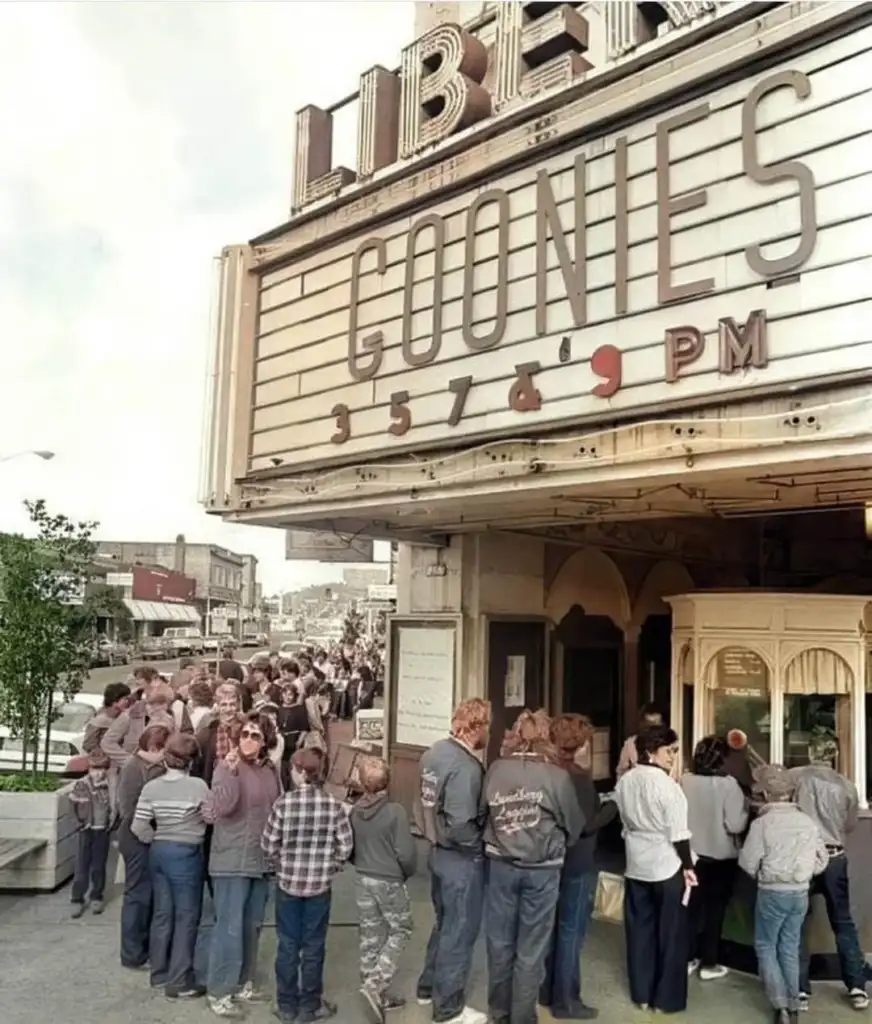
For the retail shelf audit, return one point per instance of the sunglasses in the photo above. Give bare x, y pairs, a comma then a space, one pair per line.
250, 734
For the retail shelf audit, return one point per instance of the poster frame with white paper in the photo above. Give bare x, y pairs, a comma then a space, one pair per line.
420, 739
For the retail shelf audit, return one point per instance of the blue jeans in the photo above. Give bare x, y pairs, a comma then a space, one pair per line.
177, 882
457, 894
561, 990
833, 886
519, 909
301, 929
778, 920
240, 906
136, 905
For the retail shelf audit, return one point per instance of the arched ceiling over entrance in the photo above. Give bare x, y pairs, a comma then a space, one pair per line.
591, 580
664, 579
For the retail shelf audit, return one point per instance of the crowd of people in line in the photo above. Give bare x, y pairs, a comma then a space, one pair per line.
514, 844
214, 783
212, 802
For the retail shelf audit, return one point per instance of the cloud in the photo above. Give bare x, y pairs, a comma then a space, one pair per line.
140, 139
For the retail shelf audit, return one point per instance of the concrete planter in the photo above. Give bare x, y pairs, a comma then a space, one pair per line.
47, 816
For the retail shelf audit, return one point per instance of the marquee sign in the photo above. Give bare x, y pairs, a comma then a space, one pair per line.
449, 79
720, 246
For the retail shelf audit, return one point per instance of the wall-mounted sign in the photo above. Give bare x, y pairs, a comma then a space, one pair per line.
119, 579
741, 672
405, 113
162, 585
423, 670
304, 545
610, 279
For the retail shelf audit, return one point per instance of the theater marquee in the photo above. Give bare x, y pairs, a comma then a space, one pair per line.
722, 246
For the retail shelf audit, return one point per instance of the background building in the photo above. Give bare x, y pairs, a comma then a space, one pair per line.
226, 588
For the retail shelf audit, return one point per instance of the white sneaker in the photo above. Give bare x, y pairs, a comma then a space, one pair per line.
713, 973
470, 1016
859, 999
224, 1007
692, 967
249, 994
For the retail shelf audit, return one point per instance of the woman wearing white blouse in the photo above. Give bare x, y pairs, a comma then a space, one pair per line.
659, 870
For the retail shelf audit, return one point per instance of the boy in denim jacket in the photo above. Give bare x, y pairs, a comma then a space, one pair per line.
783, 852
93, 800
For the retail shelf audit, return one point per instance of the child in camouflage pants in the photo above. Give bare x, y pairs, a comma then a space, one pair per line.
385, 857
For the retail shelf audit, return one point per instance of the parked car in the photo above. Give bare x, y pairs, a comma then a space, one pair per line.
292, 647
262, 639
115, 652
184, 640
250, 640
65, 739
152, 648
217, 641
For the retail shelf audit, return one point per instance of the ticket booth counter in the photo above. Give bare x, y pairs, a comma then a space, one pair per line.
791, 670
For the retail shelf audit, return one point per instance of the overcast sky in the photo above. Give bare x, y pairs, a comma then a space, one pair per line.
138, 139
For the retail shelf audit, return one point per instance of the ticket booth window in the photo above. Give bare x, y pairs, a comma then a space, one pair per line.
811, 730
740, 697
788, 669
817, 710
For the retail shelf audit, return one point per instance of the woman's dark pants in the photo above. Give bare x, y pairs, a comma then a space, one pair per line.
655, 922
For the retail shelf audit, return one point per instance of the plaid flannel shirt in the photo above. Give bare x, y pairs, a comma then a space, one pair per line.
308, 840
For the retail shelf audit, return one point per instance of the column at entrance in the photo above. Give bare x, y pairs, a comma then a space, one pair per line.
633, 698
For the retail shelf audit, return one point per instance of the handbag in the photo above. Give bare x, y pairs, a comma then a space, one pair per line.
608, 903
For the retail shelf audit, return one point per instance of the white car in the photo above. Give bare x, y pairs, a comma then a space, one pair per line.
65, 739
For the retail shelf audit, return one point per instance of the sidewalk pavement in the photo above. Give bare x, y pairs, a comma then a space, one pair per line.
54, 969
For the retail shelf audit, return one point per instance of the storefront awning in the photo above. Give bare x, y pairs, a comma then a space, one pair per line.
157, 611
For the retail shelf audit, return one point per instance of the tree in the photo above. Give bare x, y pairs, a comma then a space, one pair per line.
352, 627
46, 625
106, 603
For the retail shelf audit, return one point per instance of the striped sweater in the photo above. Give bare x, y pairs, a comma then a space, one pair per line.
170, 809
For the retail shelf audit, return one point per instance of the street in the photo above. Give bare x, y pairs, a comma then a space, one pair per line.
100, 677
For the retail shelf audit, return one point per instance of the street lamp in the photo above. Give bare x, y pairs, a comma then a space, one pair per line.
44, 455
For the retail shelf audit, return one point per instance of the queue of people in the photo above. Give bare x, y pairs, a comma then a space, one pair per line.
215, 784
685, 842
514, 843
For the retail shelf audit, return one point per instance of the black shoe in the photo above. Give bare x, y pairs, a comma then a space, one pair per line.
324, 1012
575, 1011
78, 910
390, 1002
285, 1016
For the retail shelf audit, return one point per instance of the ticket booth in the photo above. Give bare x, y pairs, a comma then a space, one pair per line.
792, 671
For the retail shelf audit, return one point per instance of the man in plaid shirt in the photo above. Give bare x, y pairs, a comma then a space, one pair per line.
308, 840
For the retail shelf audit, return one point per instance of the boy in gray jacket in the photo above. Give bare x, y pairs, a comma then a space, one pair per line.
783, 852
385, 857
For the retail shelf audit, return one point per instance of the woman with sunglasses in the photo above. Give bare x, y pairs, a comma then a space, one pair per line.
244, 788
659, 875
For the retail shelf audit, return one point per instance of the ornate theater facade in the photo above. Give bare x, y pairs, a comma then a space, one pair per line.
587, 331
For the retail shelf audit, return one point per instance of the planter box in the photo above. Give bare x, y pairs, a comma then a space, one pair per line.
47, 816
